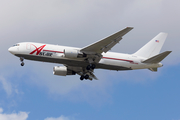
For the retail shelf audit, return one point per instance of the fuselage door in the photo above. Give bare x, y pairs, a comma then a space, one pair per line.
28, 46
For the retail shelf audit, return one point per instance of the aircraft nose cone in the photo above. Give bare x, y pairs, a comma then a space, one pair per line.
11, 50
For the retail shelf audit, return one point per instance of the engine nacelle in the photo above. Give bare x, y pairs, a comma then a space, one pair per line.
70, 53
62, 71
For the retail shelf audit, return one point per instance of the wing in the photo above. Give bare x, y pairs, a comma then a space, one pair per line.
105, 44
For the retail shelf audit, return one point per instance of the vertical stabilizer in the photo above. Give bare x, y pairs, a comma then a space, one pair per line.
153, 47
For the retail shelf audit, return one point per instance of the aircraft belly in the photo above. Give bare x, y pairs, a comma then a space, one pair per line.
111, 67
69, 62
72, 62
114, 65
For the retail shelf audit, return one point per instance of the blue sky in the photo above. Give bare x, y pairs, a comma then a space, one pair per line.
32, 92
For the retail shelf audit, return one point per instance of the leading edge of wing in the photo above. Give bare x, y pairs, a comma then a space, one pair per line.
106, 44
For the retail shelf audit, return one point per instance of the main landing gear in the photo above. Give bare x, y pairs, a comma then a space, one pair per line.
88, 71
91, 66
22, 59
84, 77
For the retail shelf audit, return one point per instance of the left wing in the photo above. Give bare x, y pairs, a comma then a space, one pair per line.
105, 44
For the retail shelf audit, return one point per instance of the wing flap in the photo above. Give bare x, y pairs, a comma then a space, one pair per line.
93, 76
109, 46
107, 43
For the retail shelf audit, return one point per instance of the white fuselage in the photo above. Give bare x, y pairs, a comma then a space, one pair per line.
55, 54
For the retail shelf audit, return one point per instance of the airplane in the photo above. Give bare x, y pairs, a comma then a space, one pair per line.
83, 61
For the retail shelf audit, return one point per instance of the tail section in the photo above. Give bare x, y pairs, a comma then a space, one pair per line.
156, 59
153, 47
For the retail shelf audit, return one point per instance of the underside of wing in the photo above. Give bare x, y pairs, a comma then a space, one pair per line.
82, 72
105, 44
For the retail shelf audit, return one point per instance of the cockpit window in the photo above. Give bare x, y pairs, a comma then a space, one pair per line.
16, 45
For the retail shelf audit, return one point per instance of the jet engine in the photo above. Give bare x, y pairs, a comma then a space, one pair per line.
62, 71
72, 53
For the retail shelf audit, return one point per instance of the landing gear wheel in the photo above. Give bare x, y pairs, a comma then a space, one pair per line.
22, 64
93, 66
82, 77
86, 77
88, 67
22, 59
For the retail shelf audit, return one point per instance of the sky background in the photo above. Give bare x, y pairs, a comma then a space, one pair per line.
32, 92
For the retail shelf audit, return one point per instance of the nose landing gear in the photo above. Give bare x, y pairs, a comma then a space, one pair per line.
22, 59
22, 64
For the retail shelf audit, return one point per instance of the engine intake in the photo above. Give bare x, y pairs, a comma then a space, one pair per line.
62, 71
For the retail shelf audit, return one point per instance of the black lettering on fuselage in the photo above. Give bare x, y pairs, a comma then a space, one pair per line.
45, 54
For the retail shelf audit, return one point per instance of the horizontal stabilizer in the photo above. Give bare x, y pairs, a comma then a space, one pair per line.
157, 58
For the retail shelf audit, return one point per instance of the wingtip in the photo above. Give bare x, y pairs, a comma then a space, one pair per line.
130, 27
163, 33
169, 51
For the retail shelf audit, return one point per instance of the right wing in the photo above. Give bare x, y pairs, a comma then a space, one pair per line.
105, 44
95, 50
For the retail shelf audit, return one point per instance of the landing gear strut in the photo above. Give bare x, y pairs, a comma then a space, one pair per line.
22, 59
82, 77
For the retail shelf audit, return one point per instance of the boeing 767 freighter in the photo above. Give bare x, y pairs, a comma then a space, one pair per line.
83, 61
